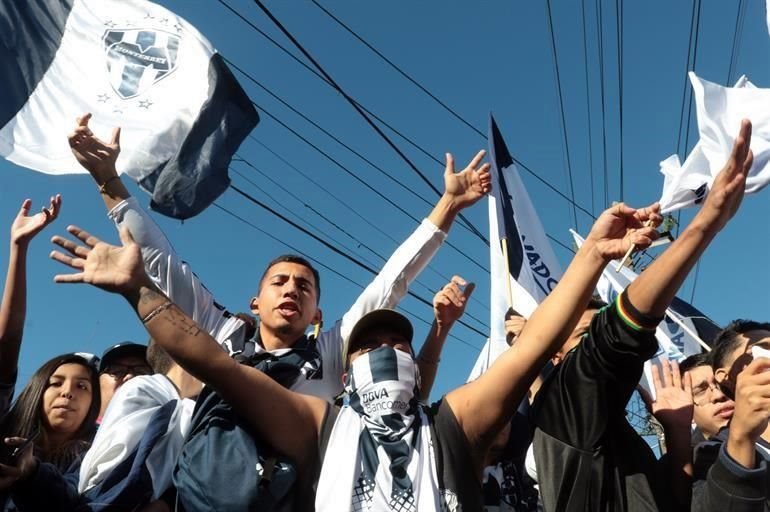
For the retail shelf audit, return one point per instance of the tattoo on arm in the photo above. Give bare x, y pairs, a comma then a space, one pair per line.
181, 322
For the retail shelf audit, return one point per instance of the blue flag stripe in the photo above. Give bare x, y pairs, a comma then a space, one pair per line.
500, 159
185, 185
25, 56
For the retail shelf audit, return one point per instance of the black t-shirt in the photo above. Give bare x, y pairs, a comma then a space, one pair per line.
587, 454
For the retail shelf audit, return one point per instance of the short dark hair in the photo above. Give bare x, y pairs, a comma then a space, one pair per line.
694, 361
729, 338
299, 260
158, 358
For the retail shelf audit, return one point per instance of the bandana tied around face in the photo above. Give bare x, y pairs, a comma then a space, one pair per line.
380, 455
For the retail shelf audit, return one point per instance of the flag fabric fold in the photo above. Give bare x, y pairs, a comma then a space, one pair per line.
534, 270
720, 111
133, 64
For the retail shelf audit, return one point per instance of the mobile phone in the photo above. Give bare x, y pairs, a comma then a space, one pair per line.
757, 351
9, 455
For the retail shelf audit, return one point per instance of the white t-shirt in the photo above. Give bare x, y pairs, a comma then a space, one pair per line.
175, 278
124, 424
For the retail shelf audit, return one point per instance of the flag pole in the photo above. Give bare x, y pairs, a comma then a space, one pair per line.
689, 331
630, 250
504, 242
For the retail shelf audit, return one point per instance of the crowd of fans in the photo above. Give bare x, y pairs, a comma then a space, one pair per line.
222, 412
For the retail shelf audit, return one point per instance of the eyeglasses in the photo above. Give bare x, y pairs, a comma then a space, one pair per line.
699, 397
119, 371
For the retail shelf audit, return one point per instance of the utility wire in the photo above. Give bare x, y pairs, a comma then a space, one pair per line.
563, 117
325, 131
399, 70
330, 269
370, 187
380, 119
740, 16
694, 60
363, 114
329, 237
600, 45
588, 107
359, 179
334, 249
619, 35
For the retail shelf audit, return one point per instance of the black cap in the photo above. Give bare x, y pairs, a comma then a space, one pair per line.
122, 349
379, 317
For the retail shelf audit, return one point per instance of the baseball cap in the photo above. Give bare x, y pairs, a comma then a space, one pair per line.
377, 318
122, 349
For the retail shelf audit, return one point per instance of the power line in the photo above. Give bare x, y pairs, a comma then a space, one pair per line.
619, 35
561, 110
399, 70
385, 123
740, 16
333, 248
330, 269
600, 48
694, 60
325, 131
357, 178
360, 111
329, 237
588, 107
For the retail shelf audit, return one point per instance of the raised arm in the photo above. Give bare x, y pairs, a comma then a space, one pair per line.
168, 272
673, 408
461, 190
294, 420
652, 292
483, 406
448, 306
14, 307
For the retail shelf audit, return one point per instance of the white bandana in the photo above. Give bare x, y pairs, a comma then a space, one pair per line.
380, 454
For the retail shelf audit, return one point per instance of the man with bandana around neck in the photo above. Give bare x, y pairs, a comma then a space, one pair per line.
399, 447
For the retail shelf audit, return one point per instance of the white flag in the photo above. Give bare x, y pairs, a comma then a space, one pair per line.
133, 64
720, 111
534, 270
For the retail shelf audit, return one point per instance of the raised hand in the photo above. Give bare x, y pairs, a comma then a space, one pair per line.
25, 226
728, 188
95, 155
449, 303
620, 227
673, 405
116, 269
514, 324
752, 411
469, 185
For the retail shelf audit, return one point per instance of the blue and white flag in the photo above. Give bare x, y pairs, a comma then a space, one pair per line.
534, 270
720, 111
133, 64
678, 334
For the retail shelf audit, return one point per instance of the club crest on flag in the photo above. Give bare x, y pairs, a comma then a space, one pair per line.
139, 58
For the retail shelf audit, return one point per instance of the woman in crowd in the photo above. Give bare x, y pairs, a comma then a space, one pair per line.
53, 419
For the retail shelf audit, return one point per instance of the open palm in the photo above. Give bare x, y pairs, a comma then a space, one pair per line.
116, 269
26, 226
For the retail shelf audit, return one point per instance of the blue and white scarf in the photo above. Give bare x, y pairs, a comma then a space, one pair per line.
380, 455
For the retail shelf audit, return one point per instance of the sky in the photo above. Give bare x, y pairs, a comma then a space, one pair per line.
477, 58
